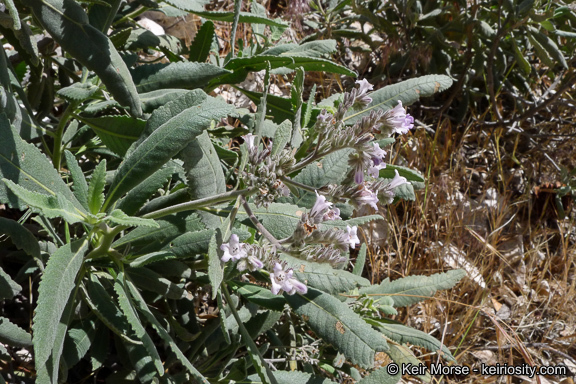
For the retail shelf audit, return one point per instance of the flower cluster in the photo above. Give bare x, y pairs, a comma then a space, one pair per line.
263, 173
252, 257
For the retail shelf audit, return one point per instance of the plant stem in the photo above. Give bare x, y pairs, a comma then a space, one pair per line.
297, 184
132, 15
200, 203
260, 227
237, 9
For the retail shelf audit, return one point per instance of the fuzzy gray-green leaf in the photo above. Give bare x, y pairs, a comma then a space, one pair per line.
188, 75
117, 132
80, 186
380, 376
339, 325
8, 287
215, 270
26, 166
13, 335
408, 92
200, 48
163, 143
413, 289
138, 196
289, 377
68, 24
78, 91
203, 170
149, 280
49, 206
120, 218
20, 236
96, 188
58, 281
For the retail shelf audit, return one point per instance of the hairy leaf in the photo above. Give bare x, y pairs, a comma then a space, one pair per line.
120, 218
20, 236
99, 301
245, 17
191, 243
155, 99
68, 24
413, 289
408, 92
162, 144
58, 281
80, 186
203, 170
13, 335
288, 377
117, 132
8, 287
403, 334
281, 137
78, 91
49, 206
381, 376
78, 341
26, 166
215, 270
339, 325
125, 301
200, 48
324, 277
259, 295
138, 196
164, 335
149, 280
96, 188
151, 77
402, 355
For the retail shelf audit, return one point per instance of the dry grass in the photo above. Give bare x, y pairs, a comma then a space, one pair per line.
518, 303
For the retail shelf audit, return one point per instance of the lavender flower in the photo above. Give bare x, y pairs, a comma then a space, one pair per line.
283, 281
362, 99
353, 239
366, 197
388, 191
251, 263
233, 249
396, 120
322, 210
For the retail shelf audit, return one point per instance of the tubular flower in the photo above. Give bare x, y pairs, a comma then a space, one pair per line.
284, 281
388, 191
233, 249
361, 97
353, 239
396, 120
366, 197
322, 210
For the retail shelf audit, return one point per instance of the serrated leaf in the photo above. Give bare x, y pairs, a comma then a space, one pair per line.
403, 334
8, 287
324, 277
78, 91
403, 356
68, 24
543, 42
26, 166
78, 341
149, 280
96, 188
317, 48
360, 261
54, 291
120, 218
169, 228
408, 92
151, 77
203, 170
99, 301
281, 137
215, 270
49, 206
200, 48
13, 335
137, 197
125, 301
191, 243
163, 143
409, 174
259, 295
339, 325
80, 186
164, 335
288, 377
414, 289
245, 17
332, 169
117, 132
155, 99
380, 376
188, 5
20, 236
